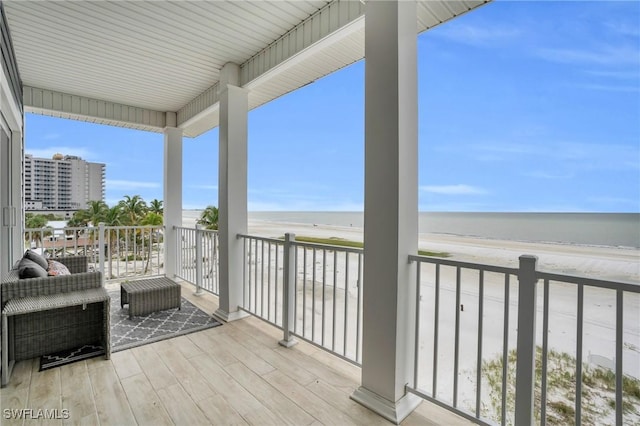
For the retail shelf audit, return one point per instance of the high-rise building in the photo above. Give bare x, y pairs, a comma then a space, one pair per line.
62, 183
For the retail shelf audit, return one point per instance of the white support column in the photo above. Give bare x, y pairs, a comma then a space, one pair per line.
232, 190
391, 208
172, 192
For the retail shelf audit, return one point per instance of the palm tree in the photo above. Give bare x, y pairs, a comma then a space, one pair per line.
80, 219
152, 219
95, 211
113, 217
134, 208
209, 218
155, 206
36, 221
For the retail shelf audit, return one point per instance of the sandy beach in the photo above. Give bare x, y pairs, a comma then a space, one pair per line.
597, 262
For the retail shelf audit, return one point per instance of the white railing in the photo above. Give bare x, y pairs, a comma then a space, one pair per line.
119, 252
311, 291
57, 242
484, 353
197, 261
132, 251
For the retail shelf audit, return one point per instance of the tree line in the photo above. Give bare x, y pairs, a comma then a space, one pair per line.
130, 211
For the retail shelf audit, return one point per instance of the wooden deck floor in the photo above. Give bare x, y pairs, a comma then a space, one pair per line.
236, 374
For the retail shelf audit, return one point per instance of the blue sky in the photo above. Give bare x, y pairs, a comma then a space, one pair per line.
523, 106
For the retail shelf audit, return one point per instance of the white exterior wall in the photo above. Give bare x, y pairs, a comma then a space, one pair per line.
95, 181
11, 152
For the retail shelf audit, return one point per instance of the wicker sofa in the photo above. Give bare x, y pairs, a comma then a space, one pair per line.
50, 314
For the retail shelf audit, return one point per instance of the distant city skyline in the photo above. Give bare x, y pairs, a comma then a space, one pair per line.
523, 106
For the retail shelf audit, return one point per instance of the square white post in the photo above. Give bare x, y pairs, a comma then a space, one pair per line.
172, 192
526, 350
391, 208
232, 190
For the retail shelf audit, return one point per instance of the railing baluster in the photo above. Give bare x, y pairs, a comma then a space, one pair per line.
276, 286
359, 310
346, 301
505, 350
249, 269
295, 289
479, 354
436, 321
304, 291
313, 297
101, 255
245, 289
199, 264
580, 320
619, 356
545, 351
335, 286
416, 348
456, 350
324, 284
255, 277
261, 277
269, 281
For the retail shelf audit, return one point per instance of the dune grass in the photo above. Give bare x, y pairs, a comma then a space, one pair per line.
335, 241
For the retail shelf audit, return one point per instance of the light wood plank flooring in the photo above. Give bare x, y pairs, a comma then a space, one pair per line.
236, 374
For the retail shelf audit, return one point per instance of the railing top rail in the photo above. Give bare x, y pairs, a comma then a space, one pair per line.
461, 264
589, 282
91, 228
66, 228
266, 239
189, 228
134, 227
329, 247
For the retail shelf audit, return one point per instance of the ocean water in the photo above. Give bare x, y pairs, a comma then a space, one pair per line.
597, 229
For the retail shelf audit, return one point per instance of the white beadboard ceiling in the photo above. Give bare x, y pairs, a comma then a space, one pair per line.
126, 63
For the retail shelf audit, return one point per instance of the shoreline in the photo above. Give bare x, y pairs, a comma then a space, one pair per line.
604, 262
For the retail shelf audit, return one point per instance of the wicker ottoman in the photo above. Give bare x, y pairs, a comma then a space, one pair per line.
151, 295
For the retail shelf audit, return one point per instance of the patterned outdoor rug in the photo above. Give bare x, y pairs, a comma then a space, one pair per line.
128, 333
67, 357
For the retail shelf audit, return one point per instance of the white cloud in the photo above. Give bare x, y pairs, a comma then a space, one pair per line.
548, 175
459, 189
604, 55
612, 88
624, 29
616, 201
481, 35
627, 74
130, 184
578, 155
214, 187
51, 136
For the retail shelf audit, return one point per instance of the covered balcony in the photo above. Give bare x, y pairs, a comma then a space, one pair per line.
313, 334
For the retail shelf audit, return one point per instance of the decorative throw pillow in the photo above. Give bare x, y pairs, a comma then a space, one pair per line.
27, 268
57, 268
38, 258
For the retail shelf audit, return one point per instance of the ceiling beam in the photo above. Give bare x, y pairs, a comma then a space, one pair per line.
334, 21
64, 105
